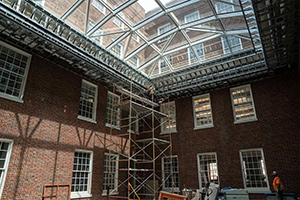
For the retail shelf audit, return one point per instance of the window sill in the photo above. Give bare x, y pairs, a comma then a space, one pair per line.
204, 126
258, 190
86, 119
246, 120
12, 98
109, 126
104, 193
79, 195
169, 132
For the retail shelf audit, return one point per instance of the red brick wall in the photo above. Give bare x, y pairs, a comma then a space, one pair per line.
276, 131
46, 131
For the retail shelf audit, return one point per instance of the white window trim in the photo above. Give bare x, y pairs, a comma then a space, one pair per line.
6, 165
138, 61
121, 47
186, 16
137, 39
104, 9
134, 119
233, 110
229, 46
41, 2
76, 195
120, 15
158, 33
189, 56
93, 120
161, 128
104, 191
198, 164
11, 97
99, 30
163, 173
217, 11
255, 190
195, 119
162, 59
108, 124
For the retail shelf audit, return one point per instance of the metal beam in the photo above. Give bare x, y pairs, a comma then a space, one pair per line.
71, 10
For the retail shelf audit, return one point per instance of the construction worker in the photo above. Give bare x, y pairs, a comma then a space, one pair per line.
278, 186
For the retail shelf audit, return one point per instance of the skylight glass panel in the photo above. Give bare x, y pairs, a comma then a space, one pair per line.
99, 6
191, 17
200, 52
224, 7
234, 43
148, 30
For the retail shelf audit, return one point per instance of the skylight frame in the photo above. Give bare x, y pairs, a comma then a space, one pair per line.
168, 11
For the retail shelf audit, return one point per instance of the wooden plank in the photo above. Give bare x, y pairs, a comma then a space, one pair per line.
137, 97
172, 196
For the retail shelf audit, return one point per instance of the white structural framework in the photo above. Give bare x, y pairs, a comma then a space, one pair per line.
159, 59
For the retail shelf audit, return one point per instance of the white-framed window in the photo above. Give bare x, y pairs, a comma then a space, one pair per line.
136, 37
88, 101
202, 111
134, 61
5, 152
82, 174
97, 35
134, 125
162, 29
14, 65
200, 51
163, 65
111, 166
207, 168
99, 6
113, 110
170, 174
117, 50
224, 7
41, 2
168, 125
254, 170
234, 42
242, 104
191, 17
118, 22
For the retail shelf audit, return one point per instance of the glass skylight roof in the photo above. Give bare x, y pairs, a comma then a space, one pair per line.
161, 36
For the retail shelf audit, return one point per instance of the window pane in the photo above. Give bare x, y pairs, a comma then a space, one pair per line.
200, 52
169, 125
163, 29
223, 7
81, 172
88, 102
110, 173
243, 103
202, 112
191, 17
234, 43
168, 172
208, 169
113, 110
254, 169
12, 71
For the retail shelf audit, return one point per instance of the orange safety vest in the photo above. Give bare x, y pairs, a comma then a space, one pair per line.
276, 182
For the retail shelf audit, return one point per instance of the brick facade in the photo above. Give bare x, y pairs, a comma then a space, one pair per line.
46, 132
276, 132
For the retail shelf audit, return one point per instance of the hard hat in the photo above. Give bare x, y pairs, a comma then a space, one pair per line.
274, 173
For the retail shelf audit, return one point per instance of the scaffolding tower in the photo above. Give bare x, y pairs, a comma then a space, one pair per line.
136, 164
